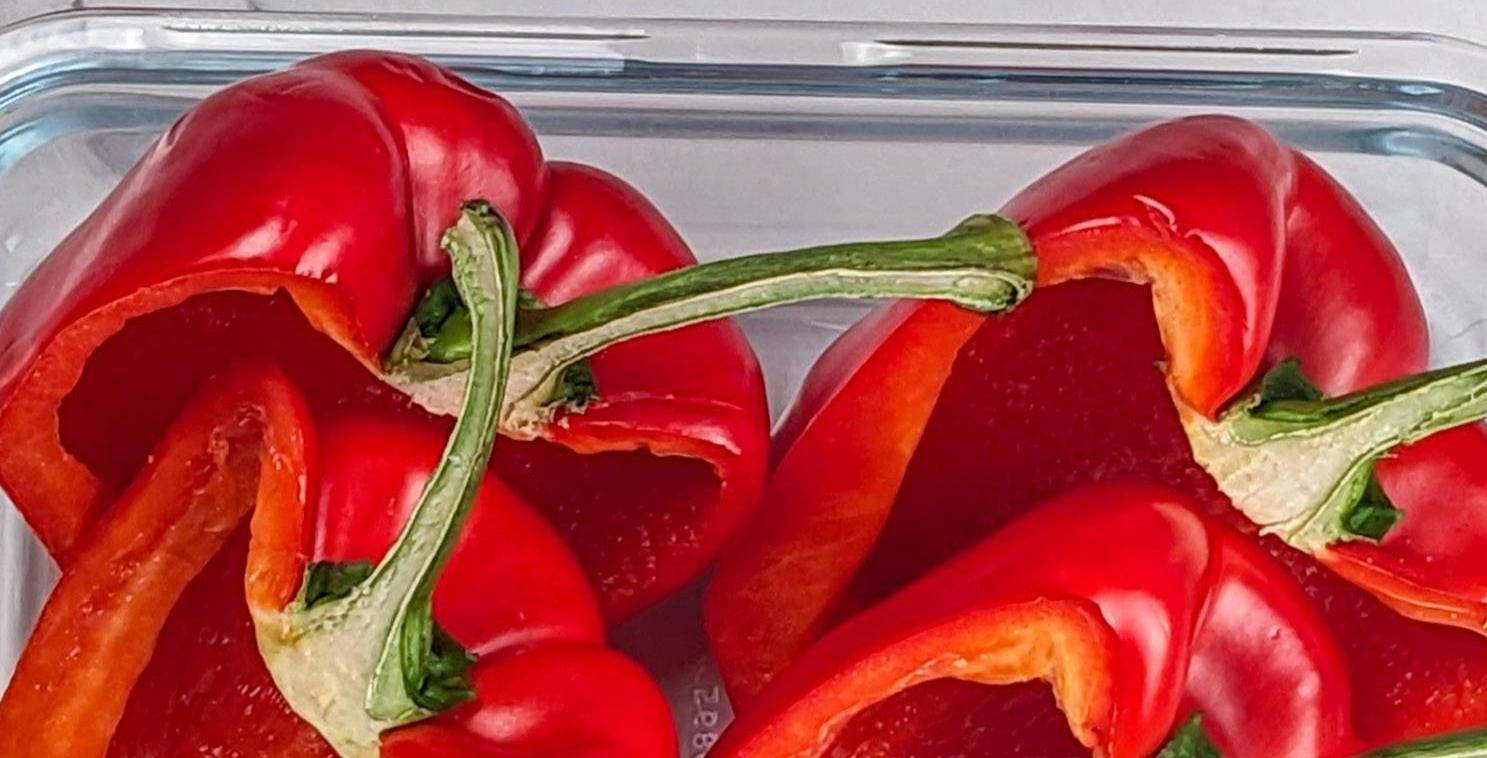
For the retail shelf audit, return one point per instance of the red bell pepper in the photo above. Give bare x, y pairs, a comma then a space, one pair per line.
1196, 208
1197, 620
248, 232
368, 607
877, 484
162, 572
322, 191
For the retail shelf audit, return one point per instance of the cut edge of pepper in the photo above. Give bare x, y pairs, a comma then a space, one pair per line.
151, 517
29, 423
1193, 298
1063, 642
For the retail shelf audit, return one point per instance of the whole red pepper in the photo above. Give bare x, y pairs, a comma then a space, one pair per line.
924, 429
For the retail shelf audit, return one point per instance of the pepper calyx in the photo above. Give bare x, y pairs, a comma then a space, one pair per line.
438, 680
330, 580
1374, 514
1303, 468
1286, 381
438, 332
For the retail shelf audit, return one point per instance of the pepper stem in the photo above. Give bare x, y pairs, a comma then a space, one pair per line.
985, 263
1471, 744
1299, 467
1190, 741
358, 664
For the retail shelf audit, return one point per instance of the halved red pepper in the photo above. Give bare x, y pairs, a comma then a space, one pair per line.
1062, 392
296, 216
1194, 207
146, 647
1196, 620
1350, 314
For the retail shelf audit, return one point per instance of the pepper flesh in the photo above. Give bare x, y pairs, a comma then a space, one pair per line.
315, 196
1125, 653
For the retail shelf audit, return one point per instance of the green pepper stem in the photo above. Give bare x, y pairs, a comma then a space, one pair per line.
484, 261
1472, 744
1190, 741
353, 666
986, 264
1297, 467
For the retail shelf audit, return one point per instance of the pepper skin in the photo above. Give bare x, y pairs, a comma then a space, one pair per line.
1128, 654
296, 217
544, 702
876, 484
513, 595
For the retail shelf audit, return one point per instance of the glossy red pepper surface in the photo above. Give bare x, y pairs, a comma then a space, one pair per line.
293, 220
924, 428
1128, 653
296, 216
513, 595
